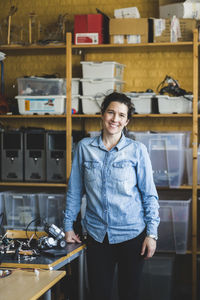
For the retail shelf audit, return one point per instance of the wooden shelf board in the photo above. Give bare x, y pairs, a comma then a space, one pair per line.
132, 45
183, 187
93, 116
63, 46
32, 116
33, 47
139, 116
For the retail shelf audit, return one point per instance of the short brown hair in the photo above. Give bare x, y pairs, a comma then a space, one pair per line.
118, 97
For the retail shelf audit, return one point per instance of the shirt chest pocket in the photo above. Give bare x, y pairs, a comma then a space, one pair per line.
123, 171
92, 170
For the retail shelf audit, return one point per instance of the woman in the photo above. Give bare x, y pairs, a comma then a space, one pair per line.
121, 217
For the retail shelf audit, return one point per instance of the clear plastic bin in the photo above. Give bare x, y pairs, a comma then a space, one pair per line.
39, 86
171, 105
2, 212
92, 87
52, 105
174, 228
21, 209
141, 101
157, 278
91, 105
167, 154
189, 161
102, 69
158, 140
51, 207
2, 204
168, 167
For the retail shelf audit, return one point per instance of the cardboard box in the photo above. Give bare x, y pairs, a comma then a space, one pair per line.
128, 30
185, 10
160, 30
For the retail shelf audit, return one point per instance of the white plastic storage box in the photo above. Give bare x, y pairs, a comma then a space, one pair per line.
189, 161
75, 103
52, 105
39, 86
171, 105
92, 87
103, 69
158, 278
51, 207
141, 101
91, 105
21, 209
175, 228
74, 86
167, 154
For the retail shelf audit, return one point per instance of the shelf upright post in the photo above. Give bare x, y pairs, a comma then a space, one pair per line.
195, 172
68, 104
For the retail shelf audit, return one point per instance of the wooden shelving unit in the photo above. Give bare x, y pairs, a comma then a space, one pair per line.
168, 118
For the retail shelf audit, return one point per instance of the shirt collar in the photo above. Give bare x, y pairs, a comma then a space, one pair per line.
98, 142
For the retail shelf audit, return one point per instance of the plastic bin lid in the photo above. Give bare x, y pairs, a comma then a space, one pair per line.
100, 62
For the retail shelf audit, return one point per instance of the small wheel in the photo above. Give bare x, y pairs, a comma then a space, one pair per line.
62, 244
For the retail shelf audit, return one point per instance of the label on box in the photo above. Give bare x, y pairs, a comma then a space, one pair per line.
86, 38
133, 39
159, 26
118, 39
38, 105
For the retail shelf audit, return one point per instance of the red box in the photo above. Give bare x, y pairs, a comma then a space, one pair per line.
91, 23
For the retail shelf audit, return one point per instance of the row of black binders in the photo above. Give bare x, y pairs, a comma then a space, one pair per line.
33, 155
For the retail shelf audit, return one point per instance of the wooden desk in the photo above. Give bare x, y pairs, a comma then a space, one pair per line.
26, 285
50, 263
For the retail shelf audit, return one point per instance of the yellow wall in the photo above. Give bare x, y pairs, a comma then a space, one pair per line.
144, 68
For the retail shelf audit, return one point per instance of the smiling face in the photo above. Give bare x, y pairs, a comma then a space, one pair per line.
115, 118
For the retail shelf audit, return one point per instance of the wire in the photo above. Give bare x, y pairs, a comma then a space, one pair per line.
34, 220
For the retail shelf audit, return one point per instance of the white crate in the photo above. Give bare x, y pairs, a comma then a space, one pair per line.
178, 105
91, 105
52, 105
141, 101
75, 103
103, 69
185, 10
74, 86
92, 87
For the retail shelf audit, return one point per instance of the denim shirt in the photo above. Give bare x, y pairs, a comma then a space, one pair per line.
120, 193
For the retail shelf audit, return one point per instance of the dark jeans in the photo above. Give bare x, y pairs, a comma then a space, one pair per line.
101, 262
